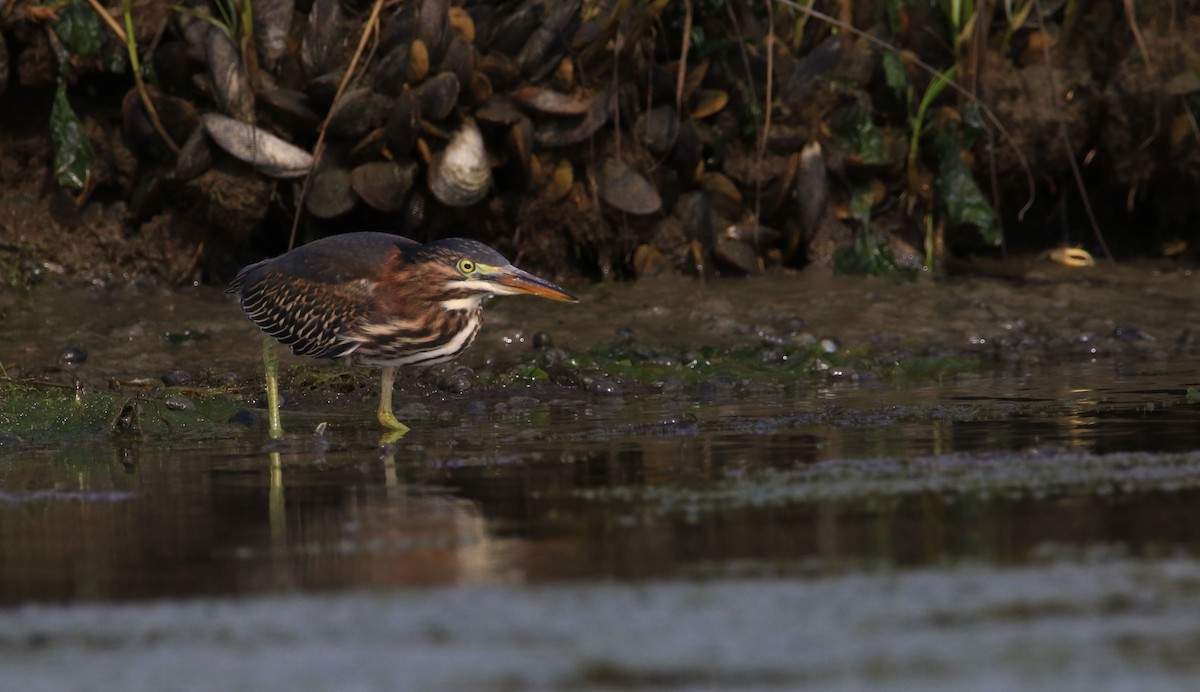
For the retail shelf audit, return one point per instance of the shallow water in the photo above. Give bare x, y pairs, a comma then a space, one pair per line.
596, 487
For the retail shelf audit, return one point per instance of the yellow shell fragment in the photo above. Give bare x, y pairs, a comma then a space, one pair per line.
560, 181
1071, 257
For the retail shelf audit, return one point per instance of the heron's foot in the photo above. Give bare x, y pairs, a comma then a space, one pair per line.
388, 420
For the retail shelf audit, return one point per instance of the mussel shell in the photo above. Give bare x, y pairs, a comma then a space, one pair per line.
687, 155
776, 182
657, 129
549, 42
403, 124
499, 110
548, 101
419, 61
227, 77
329, 194
649, 262
323, 37
291, 109
480, 88
723, 193
459, 175
501, 70
459, 60
752, 233
322, 89
272, 22
178, 117
562, 179
738, 255
806, 76
510, 34
812, 186
357, 112
372, 147
708, 102
392, 71
438, 96
264, 151
384, 185
625, 189
561, 132
695, 212
432, 20
399, 28
520, 143
174, 62
195, 157
462, 23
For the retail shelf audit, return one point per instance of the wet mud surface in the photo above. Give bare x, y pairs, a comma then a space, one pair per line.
991, 479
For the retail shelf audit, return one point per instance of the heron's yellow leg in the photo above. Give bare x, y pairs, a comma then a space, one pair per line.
271, 366
386, 418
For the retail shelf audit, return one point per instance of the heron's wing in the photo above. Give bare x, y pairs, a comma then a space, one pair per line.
313, 297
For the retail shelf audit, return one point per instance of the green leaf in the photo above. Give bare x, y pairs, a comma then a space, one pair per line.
895, 10
869, 256
893, 71
83, 34
958, 194
80, 30
73, 153
860, 205
857, 134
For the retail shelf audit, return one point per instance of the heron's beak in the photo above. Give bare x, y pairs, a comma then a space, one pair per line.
519, 282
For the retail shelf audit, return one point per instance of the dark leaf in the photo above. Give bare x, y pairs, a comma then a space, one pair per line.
958, 194
73, 153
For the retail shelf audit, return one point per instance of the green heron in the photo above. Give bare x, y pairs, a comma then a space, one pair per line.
377, 299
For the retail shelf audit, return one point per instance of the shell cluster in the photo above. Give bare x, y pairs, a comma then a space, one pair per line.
566, 112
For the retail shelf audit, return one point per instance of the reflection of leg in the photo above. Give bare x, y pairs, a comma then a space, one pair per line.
271, 365
276, 505
386, 418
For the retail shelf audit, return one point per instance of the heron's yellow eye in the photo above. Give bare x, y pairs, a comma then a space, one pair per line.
466, 266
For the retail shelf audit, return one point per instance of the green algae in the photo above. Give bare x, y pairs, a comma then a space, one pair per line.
33, 414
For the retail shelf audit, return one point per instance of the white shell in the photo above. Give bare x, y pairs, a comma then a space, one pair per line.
268, 154
459, 176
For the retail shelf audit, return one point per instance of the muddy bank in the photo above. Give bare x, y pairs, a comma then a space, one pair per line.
618, 142
1025, 313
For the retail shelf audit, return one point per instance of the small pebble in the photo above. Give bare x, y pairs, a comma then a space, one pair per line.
413, 411
602, 385
476, 408
74, 355
522, 402
177, 378
457, 380
179, 403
